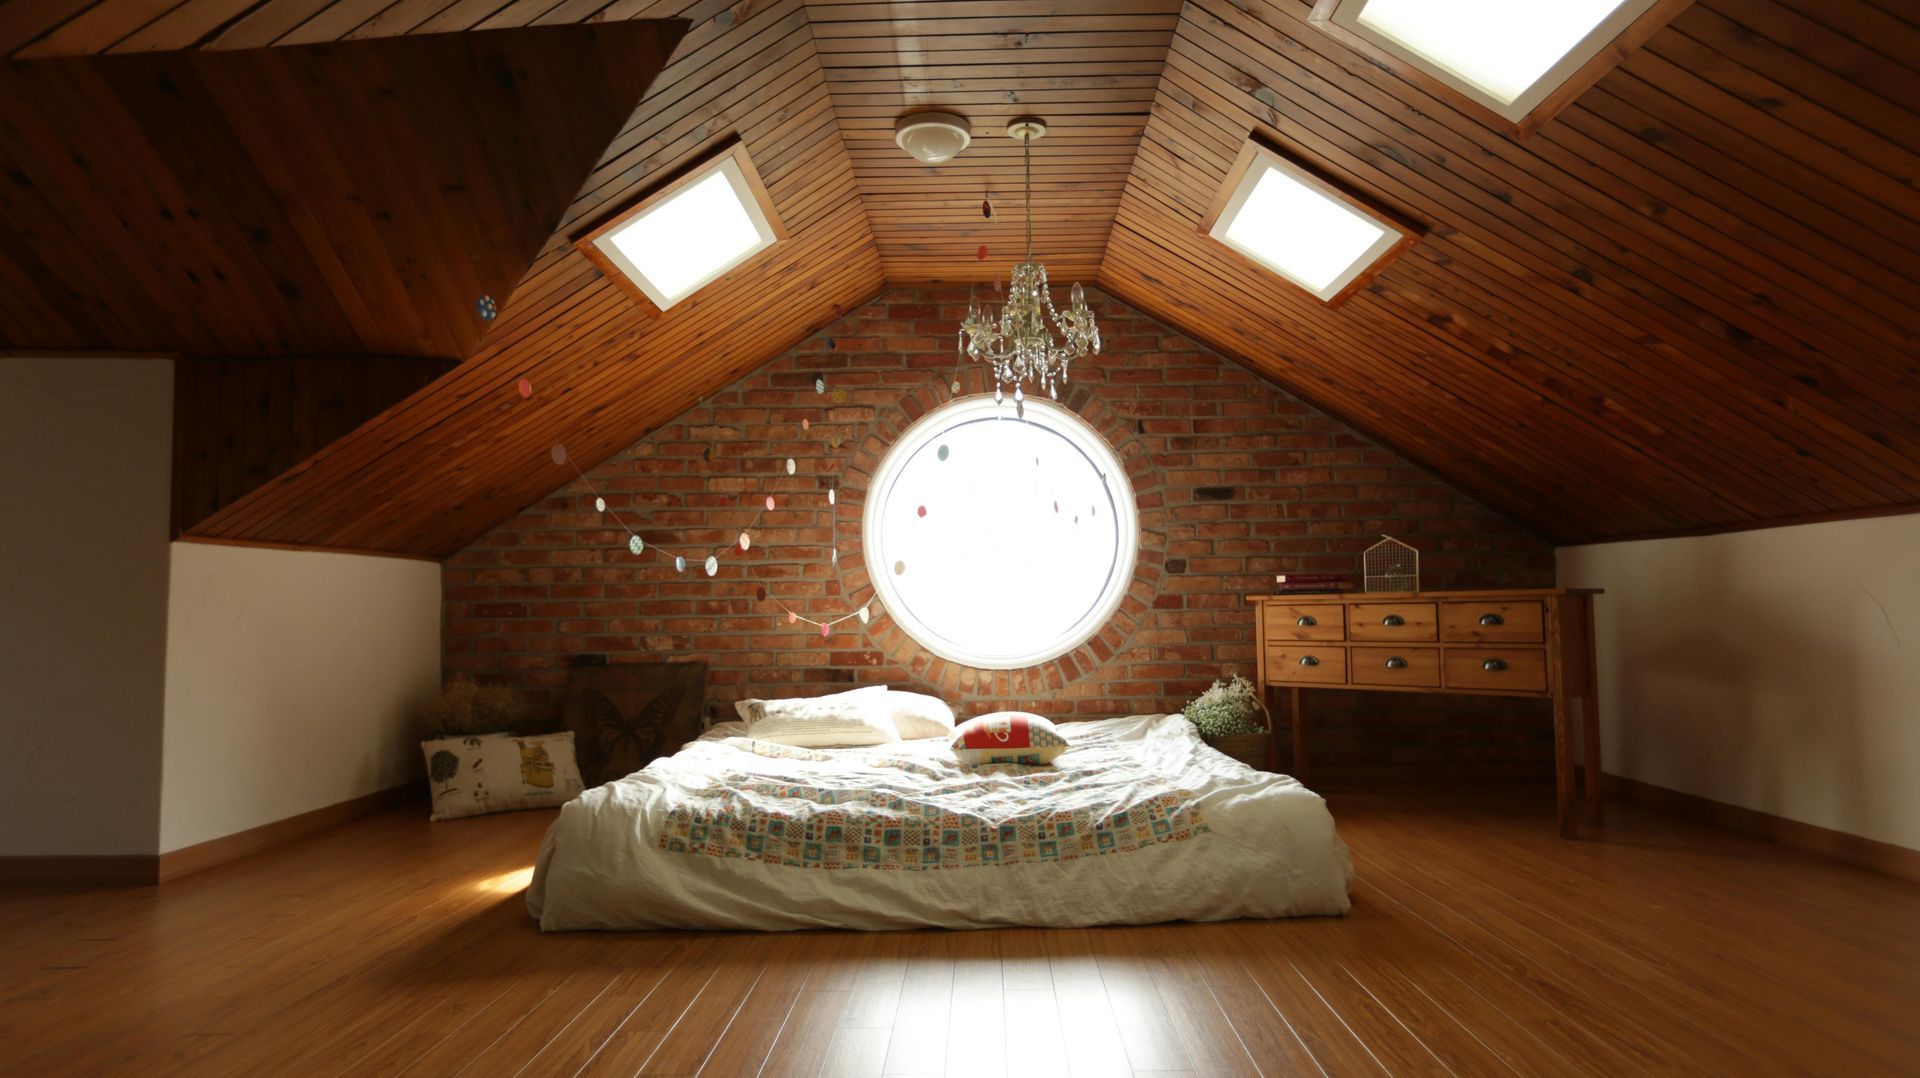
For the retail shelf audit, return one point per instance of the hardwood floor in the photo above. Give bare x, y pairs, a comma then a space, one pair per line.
1479, 944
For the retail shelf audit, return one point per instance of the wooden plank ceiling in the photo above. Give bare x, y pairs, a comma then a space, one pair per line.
316, 200
1687, 303
1089, 69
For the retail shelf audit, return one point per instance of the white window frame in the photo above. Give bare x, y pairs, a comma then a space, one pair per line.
923, 436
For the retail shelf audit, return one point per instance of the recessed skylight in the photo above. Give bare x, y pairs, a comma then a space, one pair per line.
1300, 227
1509, 56
681, 238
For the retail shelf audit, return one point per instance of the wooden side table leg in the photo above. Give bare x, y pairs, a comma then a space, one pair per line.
1298, 712
1590, 723
1563, 778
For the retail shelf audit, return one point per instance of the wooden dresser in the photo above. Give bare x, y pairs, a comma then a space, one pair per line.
1536, 643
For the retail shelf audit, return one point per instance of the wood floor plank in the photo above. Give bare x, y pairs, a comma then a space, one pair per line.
1478, 944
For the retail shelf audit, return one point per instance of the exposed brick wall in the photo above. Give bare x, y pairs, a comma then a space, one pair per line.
1303, 492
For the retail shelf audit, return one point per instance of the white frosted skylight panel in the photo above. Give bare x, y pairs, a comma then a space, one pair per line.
1295, 226
1502, 47
691, 237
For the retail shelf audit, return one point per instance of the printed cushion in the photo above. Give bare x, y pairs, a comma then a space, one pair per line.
472, 776
1008, 737
841, 720
919, 715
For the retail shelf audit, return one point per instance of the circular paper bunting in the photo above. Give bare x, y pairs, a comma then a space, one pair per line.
745, 541
806, 424
486, 307
760, 593
792, 617
922, 511
790, 466
635, 544
831, 495
899, 568
836, 555
863, 615
826, 631
956, 385
526, 388
599, 505
713, 565
981, 254
769, 503
679, 565
941, 452
558, 453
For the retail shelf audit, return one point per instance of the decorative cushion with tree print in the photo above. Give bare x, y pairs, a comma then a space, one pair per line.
470, 776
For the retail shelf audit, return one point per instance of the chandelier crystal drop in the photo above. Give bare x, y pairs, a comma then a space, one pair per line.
1017, 341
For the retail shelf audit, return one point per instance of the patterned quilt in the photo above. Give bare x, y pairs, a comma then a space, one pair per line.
808, 809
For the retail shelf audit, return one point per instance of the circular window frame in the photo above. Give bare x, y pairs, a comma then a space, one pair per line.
1062, 422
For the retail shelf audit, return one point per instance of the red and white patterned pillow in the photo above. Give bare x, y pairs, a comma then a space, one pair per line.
1008, 737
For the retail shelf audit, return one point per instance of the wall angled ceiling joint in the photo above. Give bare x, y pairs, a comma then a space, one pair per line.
369, 197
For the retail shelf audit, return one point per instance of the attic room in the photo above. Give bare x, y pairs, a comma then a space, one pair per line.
930, 538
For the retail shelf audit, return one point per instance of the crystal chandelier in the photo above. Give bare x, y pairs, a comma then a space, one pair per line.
1017, 341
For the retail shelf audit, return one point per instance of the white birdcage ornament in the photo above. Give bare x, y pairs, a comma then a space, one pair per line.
1391, 565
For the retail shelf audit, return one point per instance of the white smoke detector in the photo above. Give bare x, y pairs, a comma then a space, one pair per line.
932, 137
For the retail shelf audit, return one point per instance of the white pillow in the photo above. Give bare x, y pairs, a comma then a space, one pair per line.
919, 715
842, 720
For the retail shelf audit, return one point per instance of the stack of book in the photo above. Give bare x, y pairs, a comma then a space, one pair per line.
1297, 583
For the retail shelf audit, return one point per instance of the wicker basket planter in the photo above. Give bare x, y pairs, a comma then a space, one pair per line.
1249, 749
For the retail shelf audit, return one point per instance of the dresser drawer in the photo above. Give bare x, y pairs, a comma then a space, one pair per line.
1392, 621
1307, 664
1492, 621
1499, 669
1383, 665
1306, 621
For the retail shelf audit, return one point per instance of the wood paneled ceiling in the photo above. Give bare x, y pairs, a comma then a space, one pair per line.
1089, 69
311, 200
1686, 303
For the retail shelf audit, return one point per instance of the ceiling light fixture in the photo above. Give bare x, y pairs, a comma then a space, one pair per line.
1016, 341
932, 137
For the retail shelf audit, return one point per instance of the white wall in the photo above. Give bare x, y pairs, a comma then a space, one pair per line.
1778, 670
85, 448
289, 677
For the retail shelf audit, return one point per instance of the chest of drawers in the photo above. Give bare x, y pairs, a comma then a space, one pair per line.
1535, 643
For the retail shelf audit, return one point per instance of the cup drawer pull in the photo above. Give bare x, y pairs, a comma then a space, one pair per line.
1494, 665
1492, 619
1396, 663
1307, 620
1308, 660
1393, 621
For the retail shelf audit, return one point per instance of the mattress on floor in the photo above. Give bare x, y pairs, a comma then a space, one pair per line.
1138, 822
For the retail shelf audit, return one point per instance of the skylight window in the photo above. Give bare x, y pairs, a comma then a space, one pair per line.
1303, 228
1521, 60
684, 236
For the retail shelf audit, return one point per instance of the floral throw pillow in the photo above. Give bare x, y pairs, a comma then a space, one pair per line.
472, 776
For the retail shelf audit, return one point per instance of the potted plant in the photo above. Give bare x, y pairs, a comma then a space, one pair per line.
1232, 720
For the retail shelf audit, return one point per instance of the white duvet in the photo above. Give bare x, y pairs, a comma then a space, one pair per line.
1138, 822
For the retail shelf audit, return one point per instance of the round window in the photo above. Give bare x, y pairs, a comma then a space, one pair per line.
1000, 542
